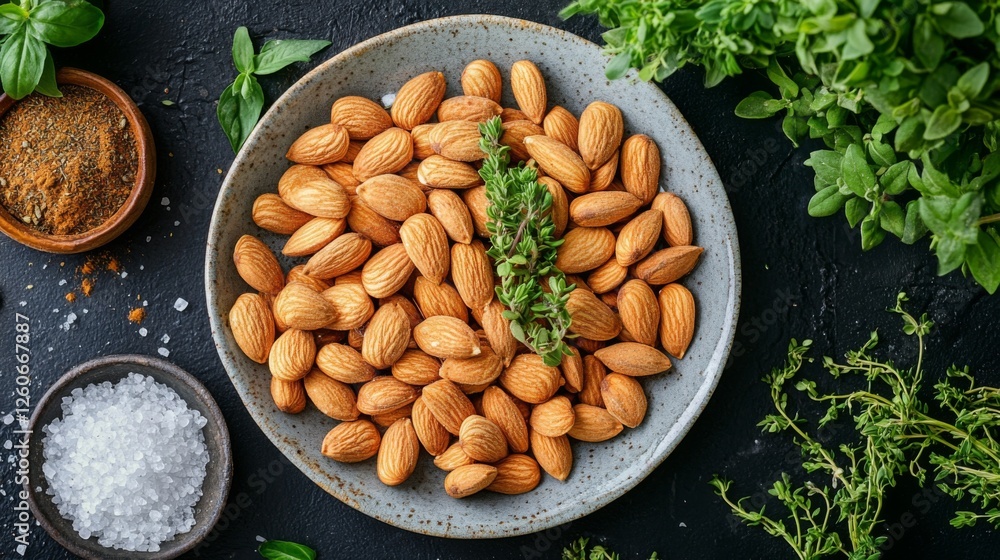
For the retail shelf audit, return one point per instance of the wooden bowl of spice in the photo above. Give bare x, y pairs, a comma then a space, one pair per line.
75, 171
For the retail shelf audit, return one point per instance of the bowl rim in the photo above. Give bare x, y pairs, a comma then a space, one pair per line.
214, 415
663, 448
133, 206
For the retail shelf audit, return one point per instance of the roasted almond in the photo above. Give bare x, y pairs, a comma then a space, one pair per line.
288, 396
482, 440
426, 243
418, 99
324, 144
529, 379
560, 162
603, 177
639, 311
594, 424
421, 136
514, 133
388, 152
313, 236
638, 238
602, 208
633, 358
477, 203
480, 370
469, 479
585, 249
344, 364
500, 408
452, 458
601, 129
392, 196
453, 214
444, 336
677, 318
439, 299
497, 330
252, 324
563, 126
509, 114
516, 474
384, 394
416, 367
667, 265
331, 397
342, 255
482, 78
360, 116
677, 230
323, 198
468, 108
398, 454
592, 318
607, 277
640, 167
553, 417
472, 273
258, 266
351, 306
572, 370
457, 140
353, 149
593, 373
448, 404
624, 399
559, 211
554, 455
386, 271
352, 442
529, 89
292, 355
443, 173
387, 419
300, 307
386, 337
298, 174
430, 432
369, 223
271, 213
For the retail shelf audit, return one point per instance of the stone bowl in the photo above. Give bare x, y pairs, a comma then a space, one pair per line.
219, 471
574, 72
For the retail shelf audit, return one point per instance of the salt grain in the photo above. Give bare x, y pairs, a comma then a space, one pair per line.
166, 338
165, 201
163, 352
68, 323
388, 99
126, 462
143, 331
181, 304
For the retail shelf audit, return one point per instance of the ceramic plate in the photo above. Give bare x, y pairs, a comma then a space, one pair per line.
574, 73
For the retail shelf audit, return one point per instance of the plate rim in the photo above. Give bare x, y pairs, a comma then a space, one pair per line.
663, 448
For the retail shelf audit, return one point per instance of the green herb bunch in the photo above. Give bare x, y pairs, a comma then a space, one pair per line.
27, 27
900, 92
951, 444
523, 248
285, 550
578, 550
241, 103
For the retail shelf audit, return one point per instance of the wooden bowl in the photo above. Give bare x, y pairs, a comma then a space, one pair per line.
134, 204
218, 474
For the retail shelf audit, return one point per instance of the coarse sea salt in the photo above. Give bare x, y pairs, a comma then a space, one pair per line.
126, 462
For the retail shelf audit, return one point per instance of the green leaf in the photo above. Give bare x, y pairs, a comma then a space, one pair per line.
275, 55
12, 16
928, 46
777, 75
909, 135
872, 233
971, 83
858, 44
984, 261
894, 180
950, 253
943, 122
66, 24
22, 62
958, 20
758, 107
826, 202
892, 218
881, 153
238, 115
827, 165
856, 209
857, 174
618, 66
243, 51
913, 227
47, 84
284, 550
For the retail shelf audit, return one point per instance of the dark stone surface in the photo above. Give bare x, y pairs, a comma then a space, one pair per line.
180, 51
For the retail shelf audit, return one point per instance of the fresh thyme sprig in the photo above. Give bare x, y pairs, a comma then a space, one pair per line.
523, 249
898, 433
578, 550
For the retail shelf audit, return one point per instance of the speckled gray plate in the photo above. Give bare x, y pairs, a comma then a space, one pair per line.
574, 72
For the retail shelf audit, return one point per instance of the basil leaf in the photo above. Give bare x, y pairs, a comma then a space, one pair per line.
777, 75
826, 202
618, 66
11, 17
909, 135
238, 114
243, 56
759, 107
856, 209
913, 227
857, 174
971, 83
858, 43
958, 20
826, 164
984, 261
943, 122
284, 550
66, 24
22, 61
928, 46
872, 233
881, 153
275, 55
892, 218
894, 181
47, 85
950, 253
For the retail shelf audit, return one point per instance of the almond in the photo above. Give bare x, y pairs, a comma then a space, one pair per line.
351, 306
529, 379
559, 211
469, 479
412, 313
529, 89
297, 175
668, 265
500, 408
554, 417
258, 266
602, 208
386, 153
398, 454
324, 144
386, 337
457, 140
677, 229
516, 474
362, 219
560, 162
677, 319
360, 116
384, 394
497, 330
421, 136
297, 274
468, 108
472, 274
300, 307
416, 367
313, 236
252, 324
443, 336
331, 397
510, 114
607, 277
593, 373
448, 404
442, 173
353, 149
624, 399
289, 396
387, 419
639, 311
418, 99
563, 126
514, 133
572, 370
430, 432
482, 78
591, 317
292, 355
477, 203
554, 455
426, 243
386, 271
482, 440
353, 277
638, 238
594, 424
344, 364
601, 129
340, 256
585, 249
392, 196
640, 167
352, 442
480, 370
272, 214
452, 458
604, 176
320, 197
633, 358
439, 299
453, 214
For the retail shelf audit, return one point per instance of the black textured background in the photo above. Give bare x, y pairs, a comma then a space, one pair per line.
179, 51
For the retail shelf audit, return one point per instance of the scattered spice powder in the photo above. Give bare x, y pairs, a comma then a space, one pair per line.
67, 164
87, 287
70, 297
137, 315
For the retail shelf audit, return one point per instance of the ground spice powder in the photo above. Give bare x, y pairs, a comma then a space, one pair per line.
66, 164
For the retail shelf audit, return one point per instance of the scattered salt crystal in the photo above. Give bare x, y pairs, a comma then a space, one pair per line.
68, 323
141, 267
388, 99
149, 238
166, 338
29, 286
21, 549
85, 311
126, 463
8, 444
163, 352
8, 420
143, 331
261, 539
62, 282
181, 304
124, 274
683, 524
165, 201
145, 303
177, 223
23, 303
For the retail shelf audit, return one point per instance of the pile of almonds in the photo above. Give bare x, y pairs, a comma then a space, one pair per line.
392, 325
